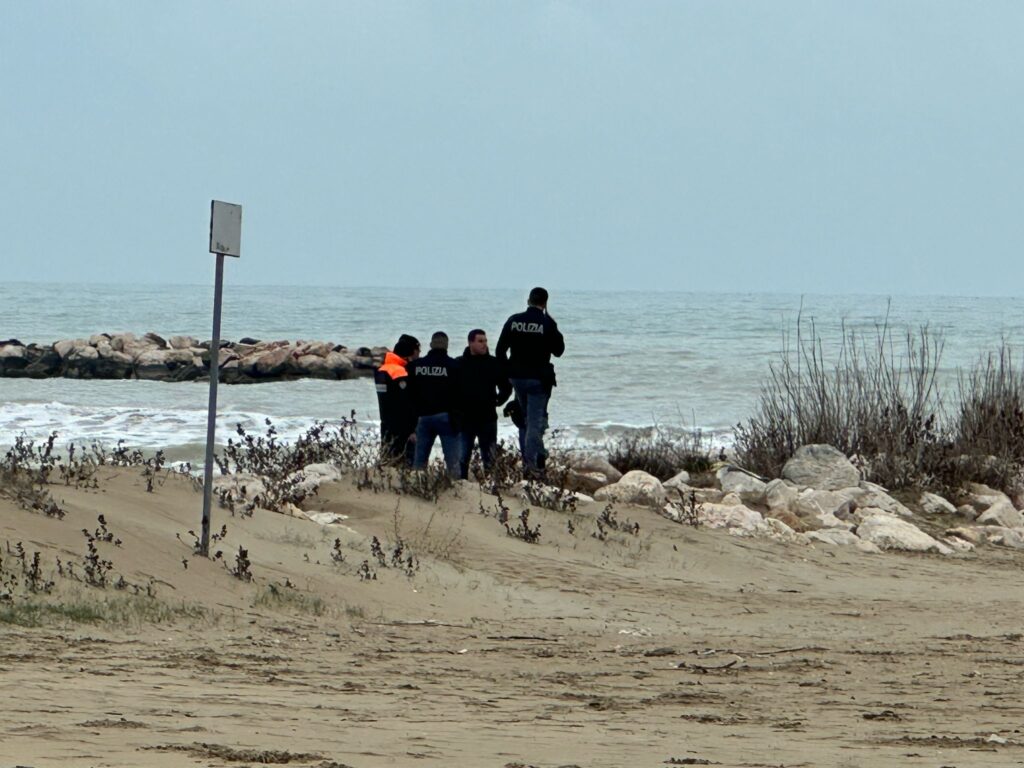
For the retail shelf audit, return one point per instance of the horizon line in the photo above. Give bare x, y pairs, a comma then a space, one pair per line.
551, 287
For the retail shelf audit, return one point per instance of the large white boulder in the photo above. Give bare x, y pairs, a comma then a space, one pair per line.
65, 346
981, 496
272, 362
871, 495
827, 508
1003, 513
732, 517
822, 467
679, 480
781, 496
750, 488
891, 532
340, 364
635, 487
933, 504
595, 462
315, 366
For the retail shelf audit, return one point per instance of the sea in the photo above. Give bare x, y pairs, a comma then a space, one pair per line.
675, 359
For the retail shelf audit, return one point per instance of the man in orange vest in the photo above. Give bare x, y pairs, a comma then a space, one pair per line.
397, 412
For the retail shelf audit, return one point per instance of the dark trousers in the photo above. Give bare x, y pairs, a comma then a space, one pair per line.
484, 432
437, 425
532, 396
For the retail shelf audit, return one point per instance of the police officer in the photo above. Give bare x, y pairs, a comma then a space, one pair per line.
394, 397
435, 392
483, 386
527, 342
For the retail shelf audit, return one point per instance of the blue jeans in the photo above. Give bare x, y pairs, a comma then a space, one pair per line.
429, 427
487, 433
532, 396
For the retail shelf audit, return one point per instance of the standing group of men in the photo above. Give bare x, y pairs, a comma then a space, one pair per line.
456, 399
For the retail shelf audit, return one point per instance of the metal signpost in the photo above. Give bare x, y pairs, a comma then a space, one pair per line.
225, 240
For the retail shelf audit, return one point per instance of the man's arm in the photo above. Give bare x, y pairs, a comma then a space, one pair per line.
502, 383
556, 340
501, 351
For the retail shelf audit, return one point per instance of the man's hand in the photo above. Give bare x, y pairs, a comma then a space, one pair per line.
412, 438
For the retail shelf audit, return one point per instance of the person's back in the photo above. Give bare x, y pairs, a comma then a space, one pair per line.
528, 341
394, 398
434, 383
434, 380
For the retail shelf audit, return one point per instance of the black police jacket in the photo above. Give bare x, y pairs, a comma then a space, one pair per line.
434, 382
483, 386
394, 396
527, 342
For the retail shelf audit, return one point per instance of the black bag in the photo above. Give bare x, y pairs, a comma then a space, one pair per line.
515, 412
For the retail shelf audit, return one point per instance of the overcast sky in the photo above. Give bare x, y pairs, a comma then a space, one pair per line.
838, 147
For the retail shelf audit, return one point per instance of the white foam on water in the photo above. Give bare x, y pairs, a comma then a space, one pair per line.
181, 432
145, 428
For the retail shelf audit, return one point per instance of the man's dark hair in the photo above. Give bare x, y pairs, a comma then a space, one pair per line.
406, 345
439, 340
476, 332
538, 298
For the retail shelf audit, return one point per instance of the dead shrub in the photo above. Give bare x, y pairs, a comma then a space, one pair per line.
660, 451
882, 401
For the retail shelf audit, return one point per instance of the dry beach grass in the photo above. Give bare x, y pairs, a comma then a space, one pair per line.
670, 646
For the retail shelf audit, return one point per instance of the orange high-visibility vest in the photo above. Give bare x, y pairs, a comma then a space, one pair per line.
394, 366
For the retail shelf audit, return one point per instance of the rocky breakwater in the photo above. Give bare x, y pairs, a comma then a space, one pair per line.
184, 358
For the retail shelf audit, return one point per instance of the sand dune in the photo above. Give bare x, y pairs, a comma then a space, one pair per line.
675, 646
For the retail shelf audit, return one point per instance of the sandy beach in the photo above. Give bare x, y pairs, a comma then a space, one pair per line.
674, 646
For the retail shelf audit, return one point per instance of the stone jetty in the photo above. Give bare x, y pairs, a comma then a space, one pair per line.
184, 358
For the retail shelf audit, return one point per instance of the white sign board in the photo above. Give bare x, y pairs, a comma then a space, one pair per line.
225, 228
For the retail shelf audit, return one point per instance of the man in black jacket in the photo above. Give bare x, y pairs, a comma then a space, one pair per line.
527, 342
434, 380
483, 386
397, 414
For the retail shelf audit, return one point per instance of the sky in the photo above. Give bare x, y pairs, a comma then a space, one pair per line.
720, 146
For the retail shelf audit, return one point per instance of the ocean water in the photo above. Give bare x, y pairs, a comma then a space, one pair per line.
675, 358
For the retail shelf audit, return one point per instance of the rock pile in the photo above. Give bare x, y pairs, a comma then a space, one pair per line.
820, 499
184, 358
